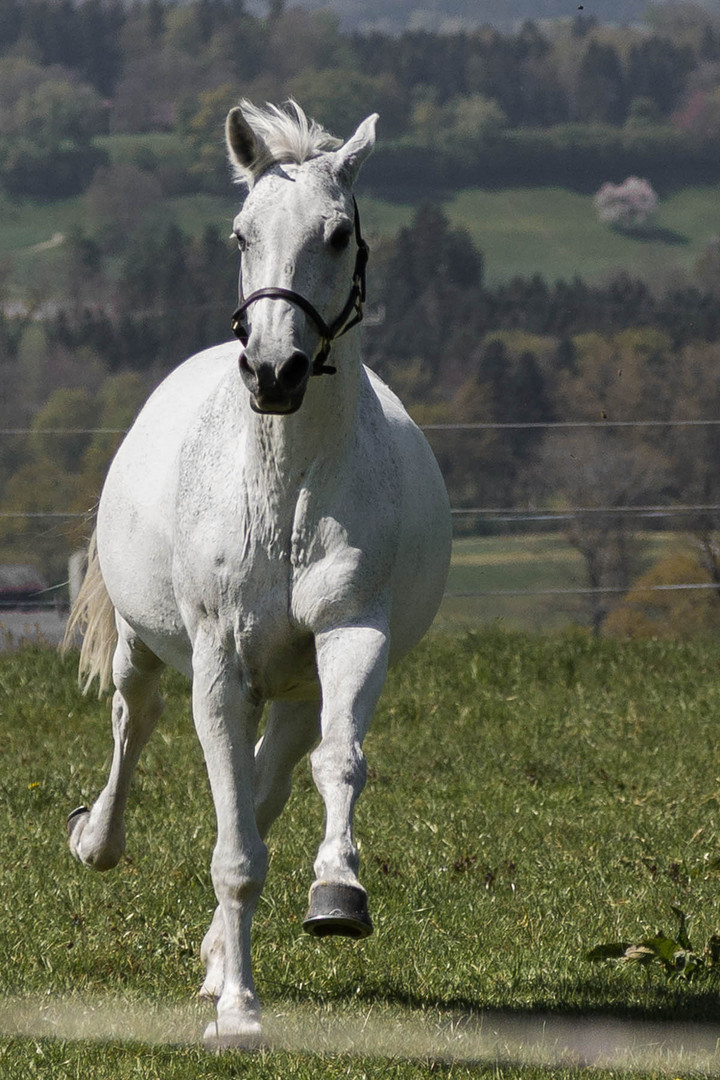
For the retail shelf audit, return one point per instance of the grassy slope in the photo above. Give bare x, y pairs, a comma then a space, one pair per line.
556, 233
526, 800
521, 231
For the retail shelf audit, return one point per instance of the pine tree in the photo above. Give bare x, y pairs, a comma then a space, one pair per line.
600, 93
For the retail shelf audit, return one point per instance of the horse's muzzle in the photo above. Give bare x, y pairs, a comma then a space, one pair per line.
277, 389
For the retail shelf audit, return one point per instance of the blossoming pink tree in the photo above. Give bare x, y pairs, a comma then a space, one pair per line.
629, 205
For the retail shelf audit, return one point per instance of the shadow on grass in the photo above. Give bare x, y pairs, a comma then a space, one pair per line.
663, 1001
669, 1033
655, 234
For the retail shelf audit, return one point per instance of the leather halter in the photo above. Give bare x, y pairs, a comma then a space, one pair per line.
328, 332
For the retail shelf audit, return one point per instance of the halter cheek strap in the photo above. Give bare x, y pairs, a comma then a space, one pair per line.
328, 332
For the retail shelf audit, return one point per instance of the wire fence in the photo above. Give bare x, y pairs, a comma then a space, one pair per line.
674, 513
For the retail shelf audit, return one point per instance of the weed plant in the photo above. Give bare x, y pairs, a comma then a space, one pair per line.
527, 798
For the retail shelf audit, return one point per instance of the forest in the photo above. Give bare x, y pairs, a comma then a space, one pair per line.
118, 107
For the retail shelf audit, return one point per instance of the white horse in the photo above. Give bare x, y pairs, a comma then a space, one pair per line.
279, 537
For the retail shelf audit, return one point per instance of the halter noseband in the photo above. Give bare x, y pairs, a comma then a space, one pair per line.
328, 333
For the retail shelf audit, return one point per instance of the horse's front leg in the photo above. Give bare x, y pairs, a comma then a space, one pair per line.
226, 721
291, 731
352, 665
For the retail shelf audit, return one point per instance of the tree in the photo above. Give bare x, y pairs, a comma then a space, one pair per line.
84, 37
117, 200
600, 95
657, 70
630, 205
590, 471
431, 277
653, 608
336, 97
46, 132
707, 267
203, 125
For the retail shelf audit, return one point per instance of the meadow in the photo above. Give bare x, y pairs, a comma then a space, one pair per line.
528, 798
520, 231
525, 581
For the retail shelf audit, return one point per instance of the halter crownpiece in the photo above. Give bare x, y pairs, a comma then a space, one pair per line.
328, 333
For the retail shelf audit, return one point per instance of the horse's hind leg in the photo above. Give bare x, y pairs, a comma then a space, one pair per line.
97, 836
291, 731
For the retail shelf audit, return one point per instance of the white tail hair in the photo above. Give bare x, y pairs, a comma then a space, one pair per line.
92, 618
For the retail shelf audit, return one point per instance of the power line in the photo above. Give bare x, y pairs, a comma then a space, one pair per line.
509, 513
44, 514
516, 514
491, 426
63, 431
575, 590
475, 426
583, 590
512, 513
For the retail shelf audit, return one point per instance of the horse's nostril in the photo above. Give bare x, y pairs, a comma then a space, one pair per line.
292, 372
246, 371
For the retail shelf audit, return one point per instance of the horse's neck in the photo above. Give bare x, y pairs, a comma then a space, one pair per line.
283, 452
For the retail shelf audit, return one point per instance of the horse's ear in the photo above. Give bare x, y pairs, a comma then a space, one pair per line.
248, 152
350, 157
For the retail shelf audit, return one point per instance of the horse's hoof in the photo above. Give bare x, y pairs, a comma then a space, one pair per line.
337, 909
74, 819
228, 1034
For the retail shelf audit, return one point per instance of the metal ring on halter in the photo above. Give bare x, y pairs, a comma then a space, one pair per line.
337, 328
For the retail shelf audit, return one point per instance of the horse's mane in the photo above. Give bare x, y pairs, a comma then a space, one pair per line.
289, 135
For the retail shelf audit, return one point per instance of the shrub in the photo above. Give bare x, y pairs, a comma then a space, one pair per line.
668, 612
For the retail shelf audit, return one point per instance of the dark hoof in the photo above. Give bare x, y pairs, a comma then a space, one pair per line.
75, 817
337, 909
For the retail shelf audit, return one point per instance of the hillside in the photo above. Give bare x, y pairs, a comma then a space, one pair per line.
519, 231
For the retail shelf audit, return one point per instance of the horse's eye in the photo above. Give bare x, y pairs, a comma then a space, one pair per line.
340, 237
241, 241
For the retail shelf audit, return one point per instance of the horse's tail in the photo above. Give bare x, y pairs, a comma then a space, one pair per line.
92, 617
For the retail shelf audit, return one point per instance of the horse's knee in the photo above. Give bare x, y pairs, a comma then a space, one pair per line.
238, 877
338, 763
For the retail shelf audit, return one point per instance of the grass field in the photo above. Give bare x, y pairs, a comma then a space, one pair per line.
520, 231
528, 797
535, 565
555, 232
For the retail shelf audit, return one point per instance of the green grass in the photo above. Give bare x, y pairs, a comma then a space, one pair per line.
530, 562
527, 799
24, 223
556, 233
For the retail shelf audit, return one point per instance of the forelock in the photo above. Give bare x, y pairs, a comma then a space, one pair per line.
289, 135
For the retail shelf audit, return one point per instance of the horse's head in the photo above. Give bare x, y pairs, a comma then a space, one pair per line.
303, 258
